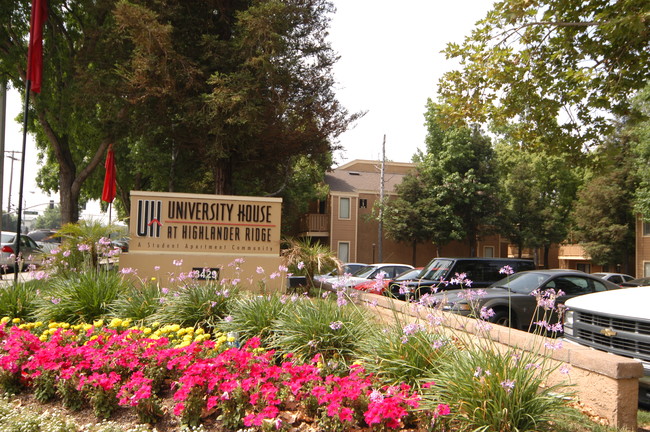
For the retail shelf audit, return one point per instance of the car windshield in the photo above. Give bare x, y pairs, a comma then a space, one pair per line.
522, 283
8, 238
436, 270
408, 275
364, 272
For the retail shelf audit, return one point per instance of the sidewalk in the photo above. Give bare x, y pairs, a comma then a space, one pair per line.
8, 278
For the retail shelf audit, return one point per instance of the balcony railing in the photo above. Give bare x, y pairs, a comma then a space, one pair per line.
314, 222
573, 251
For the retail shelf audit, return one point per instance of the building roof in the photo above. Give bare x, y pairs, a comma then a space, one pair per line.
364, 176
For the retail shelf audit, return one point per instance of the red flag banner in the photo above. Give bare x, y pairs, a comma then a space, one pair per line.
35, 51
110, 181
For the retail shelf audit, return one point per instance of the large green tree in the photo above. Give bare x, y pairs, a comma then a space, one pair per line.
550, 73
638, 130
199, 96
74, 117
604, 222
416, 215
538, 190
454, 188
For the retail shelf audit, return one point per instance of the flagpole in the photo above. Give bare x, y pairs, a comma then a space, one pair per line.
22, 181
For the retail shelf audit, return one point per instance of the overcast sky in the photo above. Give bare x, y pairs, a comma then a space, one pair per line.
390, 63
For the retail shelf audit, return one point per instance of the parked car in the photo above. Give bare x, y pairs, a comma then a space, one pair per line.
438, 273
46, 239
513, 298
614, 321
375, 287
348, 268
617, 278
644, 281
369, 272
121, 243
44, 235
29, 250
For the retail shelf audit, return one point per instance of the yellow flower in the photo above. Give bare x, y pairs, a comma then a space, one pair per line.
115, 322
146, 330
5, 320
175, 328
98, 323
15, 320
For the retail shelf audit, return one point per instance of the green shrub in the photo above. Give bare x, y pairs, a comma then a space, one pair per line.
18, 300
321, 326
492, 390
80, 297
404, 352
254, 316
199, 305
137, 302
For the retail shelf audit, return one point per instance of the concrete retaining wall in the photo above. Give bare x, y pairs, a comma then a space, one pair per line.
605, 385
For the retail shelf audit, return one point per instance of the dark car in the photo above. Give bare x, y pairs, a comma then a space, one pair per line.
514, 299
437, 275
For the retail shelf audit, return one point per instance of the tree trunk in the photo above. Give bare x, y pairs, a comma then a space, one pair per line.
222, 177
69, 202
547, 247
415, 246
69, 181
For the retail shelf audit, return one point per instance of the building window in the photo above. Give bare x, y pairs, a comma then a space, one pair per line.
344, 208
344, 251
488, 251
363, 203
646, 269
583, 267
646, 228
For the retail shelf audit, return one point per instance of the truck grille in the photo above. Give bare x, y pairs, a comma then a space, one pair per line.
618, 324
629, 337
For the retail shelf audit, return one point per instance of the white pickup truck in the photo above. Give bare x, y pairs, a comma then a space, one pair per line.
615, 321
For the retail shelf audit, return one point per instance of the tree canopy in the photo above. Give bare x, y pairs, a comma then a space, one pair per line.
550, 73
453, 190
207, 97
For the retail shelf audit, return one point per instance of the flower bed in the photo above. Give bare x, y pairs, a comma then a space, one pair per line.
117, 365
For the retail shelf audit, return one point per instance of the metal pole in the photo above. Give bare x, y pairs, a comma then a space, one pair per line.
22, 180
380, 231
11, 179
3, 125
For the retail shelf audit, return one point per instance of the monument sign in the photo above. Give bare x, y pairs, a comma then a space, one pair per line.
219, 237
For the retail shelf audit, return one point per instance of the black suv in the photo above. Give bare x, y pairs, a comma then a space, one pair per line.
436, 276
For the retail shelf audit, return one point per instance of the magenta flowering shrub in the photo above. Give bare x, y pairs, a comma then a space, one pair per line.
247, 386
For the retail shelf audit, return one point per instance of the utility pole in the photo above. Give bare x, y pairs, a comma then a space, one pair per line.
380, 230
11, 177
3, 125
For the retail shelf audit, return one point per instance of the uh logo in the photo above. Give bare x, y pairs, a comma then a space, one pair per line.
148, 218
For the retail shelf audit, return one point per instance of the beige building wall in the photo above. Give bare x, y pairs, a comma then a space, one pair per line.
642, 248
344, 229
